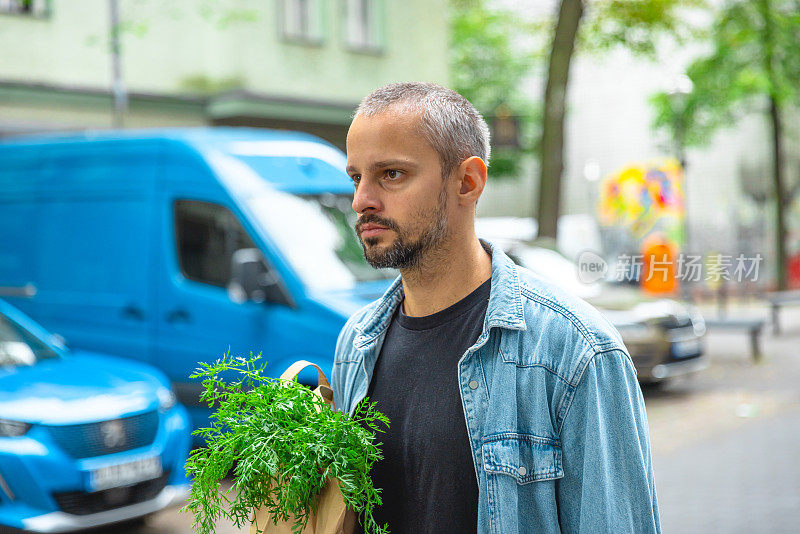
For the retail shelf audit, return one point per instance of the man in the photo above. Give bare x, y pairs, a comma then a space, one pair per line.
514, 407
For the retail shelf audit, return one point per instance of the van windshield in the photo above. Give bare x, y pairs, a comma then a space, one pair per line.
20, 347
316, 235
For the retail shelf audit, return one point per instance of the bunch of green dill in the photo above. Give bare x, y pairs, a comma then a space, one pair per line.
283, 443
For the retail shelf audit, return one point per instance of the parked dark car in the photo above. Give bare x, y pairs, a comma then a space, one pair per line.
663, 336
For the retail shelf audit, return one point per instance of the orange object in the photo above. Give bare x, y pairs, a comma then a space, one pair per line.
659, 265
793, 270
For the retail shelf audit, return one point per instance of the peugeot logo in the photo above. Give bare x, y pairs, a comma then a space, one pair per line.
113, 433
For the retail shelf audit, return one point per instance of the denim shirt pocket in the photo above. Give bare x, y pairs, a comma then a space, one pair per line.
521, 472
525, 457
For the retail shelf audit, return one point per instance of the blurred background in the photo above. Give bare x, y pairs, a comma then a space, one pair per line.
645, 154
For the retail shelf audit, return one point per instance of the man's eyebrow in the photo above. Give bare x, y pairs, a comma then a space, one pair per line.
387, 164
404, 163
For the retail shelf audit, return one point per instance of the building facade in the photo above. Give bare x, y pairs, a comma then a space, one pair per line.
292, 64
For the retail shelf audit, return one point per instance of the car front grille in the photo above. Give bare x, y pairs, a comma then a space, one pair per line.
106, 437
82, 503
643, 358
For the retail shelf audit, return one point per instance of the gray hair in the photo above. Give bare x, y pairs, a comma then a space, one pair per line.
448, 121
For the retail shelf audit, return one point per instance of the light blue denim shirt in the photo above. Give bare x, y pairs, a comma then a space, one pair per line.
554, 413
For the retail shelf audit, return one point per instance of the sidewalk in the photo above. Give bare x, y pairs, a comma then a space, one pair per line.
726, 444
747, 480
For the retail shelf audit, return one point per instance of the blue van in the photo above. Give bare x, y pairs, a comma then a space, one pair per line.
85, 439
173, 246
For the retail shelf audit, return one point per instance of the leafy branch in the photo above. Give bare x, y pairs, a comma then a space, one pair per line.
283, 443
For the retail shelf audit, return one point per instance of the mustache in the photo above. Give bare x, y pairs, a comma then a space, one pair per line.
371, 218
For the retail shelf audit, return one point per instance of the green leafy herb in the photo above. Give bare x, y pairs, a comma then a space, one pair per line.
283, 443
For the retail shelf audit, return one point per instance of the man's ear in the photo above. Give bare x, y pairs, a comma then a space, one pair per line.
472, 176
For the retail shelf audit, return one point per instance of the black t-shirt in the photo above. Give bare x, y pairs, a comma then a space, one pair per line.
427, 476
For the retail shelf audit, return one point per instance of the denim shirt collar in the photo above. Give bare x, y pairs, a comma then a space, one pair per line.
504, 309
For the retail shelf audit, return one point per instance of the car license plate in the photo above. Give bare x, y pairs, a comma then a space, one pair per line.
686, 348
125, 474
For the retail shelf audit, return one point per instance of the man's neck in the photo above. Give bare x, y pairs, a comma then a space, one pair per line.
445, 277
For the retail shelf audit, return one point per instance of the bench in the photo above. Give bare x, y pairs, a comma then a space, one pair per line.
753, 327
777, 299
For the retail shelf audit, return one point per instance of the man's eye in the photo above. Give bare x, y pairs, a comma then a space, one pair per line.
393, 174
356, 178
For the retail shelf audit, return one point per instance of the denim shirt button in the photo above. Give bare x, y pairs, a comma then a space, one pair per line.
522, 471
473, 384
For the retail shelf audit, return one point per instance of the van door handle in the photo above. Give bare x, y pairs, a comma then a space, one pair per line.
132, 312
179, 316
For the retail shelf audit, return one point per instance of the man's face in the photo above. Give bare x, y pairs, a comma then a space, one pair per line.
400, 195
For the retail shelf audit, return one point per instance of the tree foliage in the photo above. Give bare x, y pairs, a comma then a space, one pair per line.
753, 64
491, 52
637, 25
734, 78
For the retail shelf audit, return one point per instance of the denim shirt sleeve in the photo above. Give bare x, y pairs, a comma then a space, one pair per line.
342, 376
608, 483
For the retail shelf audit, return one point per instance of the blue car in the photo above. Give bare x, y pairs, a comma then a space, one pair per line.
85, 439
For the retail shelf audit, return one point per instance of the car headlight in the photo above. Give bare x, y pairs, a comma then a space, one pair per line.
13, 429
166, 399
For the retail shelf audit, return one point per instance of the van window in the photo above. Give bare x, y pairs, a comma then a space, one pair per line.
20, 347
315, 233
207, 235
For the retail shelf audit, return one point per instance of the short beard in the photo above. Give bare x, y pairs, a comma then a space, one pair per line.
404, 254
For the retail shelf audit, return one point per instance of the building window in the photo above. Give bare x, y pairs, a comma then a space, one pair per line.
34, 8
364, 24
301, 21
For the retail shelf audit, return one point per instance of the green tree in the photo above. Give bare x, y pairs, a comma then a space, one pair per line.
754, 64
491, 51
593, 26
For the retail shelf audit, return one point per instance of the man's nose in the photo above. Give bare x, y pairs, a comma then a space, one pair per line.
366, 197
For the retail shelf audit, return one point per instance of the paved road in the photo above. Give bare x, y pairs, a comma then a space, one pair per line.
726, 443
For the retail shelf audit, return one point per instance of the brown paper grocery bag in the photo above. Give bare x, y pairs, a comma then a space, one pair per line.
332, 516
